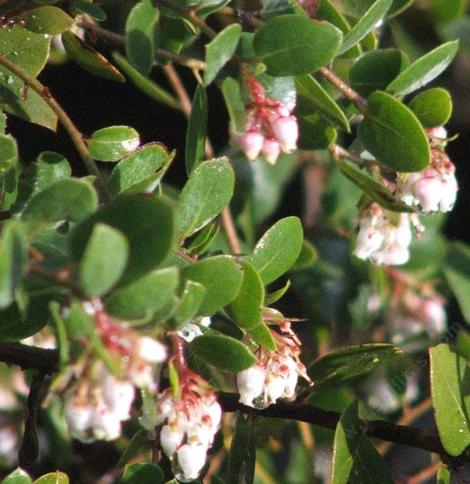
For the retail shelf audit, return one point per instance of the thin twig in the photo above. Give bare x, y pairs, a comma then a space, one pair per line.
179, 89
74, 133
425, 474
337, 152
350, 93
59, 278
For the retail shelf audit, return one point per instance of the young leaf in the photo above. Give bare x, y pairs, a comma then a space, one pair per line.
141, 170
113, 142
432, 107
447, 371
208, 190
366, 23
53, 478
145, 296
197, 130
375, 70
13, 256
142, 474
457, 272
317, 99
278, 249
65, 199
292, 44
147, 223
140, 35
88, 59
424, 70
103, 261
347, 364
393, 134
355, 460
18, 476
443, 475
190, 301
47, 20
223, 352
220, 50
221, 278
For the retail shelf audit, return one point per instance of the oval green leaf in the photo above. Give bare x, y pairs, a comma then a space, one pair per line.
197, 130
113, 142
393, 134
47, 20
432, 107
142, 474
457, 272
53, 478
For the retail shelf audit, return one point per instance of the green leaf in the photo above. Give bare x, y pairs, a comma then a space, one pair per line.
103, 261
393, 134
113, 143
91, 9
278, 249
274, 296
375, 190
291, 44
140, 35
143, 297
234, 103
147, 223
30, 52
221, 278
13, 256
18, 476
220, 50
375, 70
366, 23
190, 301
355, 460
424, 70
48, 20
208, 190
317, 99
66, 199
146, 85
141, 171
357, 8
242, 455
347, 364
142, 474
307, 257
432, 107
315, 132
139, 442
447, 372
223, 352
457, 272
88, 59
8, 153
443, 475
53, 478
444, 11
197, 130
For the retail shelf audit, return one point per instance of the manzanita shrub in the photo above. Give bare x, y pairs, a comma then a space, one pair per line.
144, 315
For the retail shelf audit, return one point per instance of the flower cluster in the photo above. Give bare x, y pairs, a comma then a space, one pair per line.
435, 188
384, 237
190, 421
270, 128
276, 373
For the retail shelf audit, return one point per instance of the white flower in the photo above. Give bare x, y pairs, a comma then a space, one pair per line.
250, 383
150, 350
286, 132
274, 388
191, 459
78, 416
170, 439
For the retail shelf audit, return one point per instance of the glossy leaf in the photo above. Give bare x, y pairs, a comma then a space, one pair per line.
307, 257
443, 475
355, 459
13, 256
375, 70
142, 474
223, 352
292, 44
432, 107
315, 132
137, 444
147, 223
447, 372
103, 261
347, 364
145, 296
220, 50
366, 23
393, 134
424, 70
65, 199
317, 99
278, 249
242, 455
274, 296
88, 59
357, 8
53, 478
140, 35
208, 190
18, 476
457, 272
8, 153
197, 130
91, 9
113, 142
190, 301
141, 171
221, 278
234, 104
47, 20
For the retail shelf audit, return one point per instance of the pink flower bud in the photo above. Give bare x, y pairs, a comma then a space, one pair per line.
271, 150
428, 192
286, 131
251, 143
